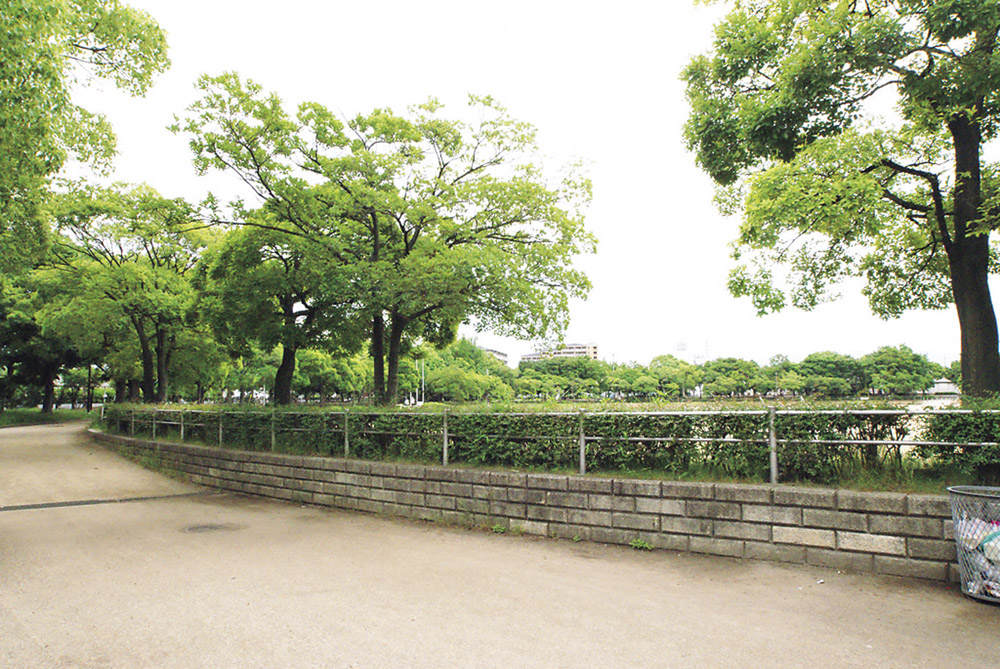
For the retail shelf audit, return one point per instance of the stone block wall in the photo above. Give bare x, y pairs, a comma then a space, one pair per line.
885, 533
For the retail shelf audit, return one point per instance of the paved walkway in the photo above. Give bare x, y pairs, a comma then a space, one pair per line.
214, 580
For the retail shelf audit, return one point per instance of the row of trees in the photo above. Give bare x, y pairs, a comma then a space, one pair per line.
373, 234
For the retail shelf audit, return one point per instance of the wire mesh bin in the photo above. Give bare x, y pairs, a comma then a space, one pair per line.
976, 512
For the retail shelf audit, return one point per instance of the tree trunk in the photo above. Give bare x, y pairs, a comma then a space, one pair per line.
378, 356
146, 357
968, 260
162, 364
283, 377
976, 318
121, 390
49, 385
391, 394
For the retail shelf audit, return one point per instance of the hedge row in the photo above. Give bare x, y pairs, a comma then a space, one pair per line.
731, 444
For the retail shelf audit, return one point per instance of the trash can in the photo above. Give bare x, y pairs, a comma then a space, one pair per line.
976, 512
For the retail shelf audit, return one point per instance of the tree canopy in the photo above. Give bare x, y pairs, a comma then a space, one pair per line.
783, 119
437, 221
48, 46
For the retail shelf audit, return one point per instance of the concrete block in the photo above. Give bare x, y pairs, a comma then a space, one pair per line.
508, 479
597, 485
472, 476
712, 546
637, 487
481, 491
560, 531
411, 471
837, 520
733, 492
553, 514
687, 490
878, 502
382, 469
928, 505
862, 562
587, 517
736, 530
611, 502
608, 535
932, 571
779, 515
814, 497
906, 525
439, 501
473, 505
456, 489
576, 500
667, 507
507, 509
498, 494
804, 536
635, 521
931, 549
548, 481
705, 509
671, 542
948, 529
954, 573
756, 550
683, 525
871, 543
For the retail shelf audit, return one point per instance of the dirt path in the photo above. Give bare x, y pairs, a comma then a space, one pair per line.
225, 581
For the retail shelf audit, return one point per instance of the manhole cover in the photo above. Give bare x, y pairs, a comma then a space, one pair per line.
211, 527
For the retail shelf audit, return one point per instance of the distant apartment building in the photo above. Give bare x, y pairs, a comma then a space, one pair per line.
567, 351
499, 355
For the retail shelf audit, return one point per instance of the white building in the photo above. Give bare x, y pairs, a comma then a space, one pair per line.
566, 351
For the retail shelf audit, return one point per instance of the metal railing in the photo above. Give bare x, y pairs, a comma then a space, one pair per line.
184, 421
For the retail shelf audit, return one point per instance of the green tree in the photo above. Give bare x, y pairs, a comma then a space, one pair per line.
674, 371
898, 370
729, 376
829, 365
48, 47
130, 250
777, 113
439, 221
265, 285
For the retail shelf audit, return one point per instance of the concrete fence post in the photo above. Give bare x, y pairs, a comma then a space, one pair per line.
347, 441
131, 429
220, 428
272, 430
444, 443
772, 440
182, 424
154, 423
583, 447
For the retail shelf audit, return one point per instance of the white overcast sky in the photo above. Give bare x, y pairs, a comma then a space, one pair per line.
600, 81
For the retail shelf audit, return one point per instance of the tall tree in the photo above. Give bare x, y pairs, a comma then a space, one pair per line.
267, 286
908, 204
439, 221
131, 249
49, 46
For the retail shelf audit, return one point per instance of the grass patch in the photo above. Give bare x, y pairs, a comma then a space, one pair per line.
13, 417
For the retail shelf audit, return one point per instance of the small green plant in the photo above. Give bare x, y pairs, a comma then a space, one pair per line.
640, 545
576, 538
498, 529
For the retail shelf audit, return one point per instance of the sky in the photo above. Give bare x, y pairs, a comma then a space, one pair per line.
600, 82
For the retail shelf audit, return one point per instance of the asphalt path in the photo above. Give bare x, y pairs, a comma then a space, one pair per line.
105, 564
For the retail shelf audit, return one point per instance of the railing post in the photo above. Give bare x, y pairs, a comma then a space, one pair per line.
444, 443
772, 440
154, 423
182, 424
221, 414
347, 441
131, 430
272, 430
583, 447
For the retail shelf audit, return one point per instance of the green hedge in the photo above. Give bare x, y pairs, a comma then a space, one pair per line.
731, 445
